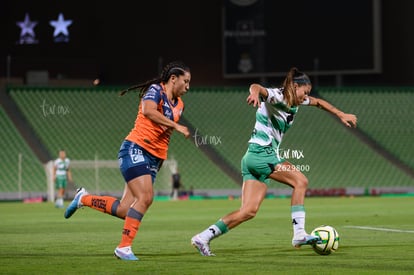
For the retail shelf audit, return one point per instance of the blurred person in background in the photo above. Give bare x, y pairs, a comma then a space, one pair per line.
176, 185
61, 176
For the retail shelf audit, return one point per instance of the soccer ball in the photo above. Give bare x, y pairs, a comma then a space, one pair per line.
329, 237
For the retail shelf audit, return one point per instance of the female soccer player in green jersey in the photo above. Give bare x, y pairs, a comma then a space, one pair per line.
275, 115
61, 176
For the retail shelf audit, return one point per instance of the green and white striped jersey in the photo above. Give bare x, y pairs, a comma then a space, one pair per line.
273, 119
62, 167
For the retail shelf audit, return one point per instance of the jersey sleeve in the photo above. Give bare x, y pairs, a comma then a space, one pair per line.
274, 95
153, 93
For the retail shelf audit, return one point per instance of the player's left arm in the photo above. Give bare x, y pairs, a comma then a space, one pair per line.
69, 174
54, 172
350, 120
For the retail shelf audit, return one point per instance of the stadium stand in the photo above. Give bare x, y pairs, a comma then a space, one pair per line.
90, 124
386, 116
22, 174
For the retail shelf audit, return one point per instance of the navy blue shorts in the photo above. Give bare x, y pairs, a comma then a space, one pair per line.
134, 161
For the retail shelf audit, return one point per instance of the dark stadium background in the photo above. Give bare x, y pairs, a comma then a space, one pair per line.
126, 42
365, 66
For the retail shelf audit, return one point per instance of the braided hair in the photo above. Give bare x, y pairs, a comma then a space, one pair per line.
294, 76
176, 68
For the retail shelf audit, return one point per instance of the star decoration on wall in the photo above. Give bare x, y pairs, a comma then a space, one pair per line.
61, 25
27, 26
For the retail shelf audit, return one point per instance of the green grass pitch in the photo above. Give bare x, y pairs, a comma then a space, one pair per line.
376, 237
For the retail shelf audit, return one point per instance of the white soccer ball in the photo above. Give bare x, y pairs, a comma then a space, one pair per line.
329, 239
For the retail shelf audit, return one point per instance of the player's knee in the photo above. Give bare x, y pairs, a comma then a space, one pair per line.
248, 214
302, 183
146, 201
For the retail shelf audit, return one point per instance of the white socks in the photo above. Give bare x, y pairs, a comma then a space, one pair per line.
214, 231
298, 220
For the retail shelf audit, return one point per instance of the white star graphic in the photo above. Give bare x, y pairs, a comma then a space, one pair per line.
27, 26
61, 25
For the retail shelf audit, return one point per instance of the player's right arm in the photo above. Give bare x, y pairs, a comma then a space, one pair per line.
256, 91
149, 110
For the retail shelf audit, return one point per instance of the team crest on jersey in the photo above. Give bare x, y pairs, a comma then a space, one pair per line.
168, 113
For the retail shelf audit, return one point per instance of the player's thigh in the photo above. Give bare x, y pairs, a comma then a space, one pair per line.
288, 173
142, 189
141, 186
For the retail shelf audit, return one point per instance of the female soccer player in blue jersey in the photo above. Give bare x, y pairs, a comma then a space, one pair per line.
142, 152
275, 115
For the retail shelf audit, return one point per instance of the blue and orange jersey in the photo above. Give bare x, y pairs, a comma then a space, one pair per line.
149, 135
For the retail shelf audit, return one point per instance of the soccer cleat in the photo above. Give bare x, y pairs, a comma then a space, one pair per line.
202, 246
306, 239
125, 253
76, 202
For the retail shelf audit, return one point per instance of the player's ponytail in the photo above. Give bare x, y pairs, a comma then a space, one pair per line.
289, 88
294, 76
176, 68
143, 87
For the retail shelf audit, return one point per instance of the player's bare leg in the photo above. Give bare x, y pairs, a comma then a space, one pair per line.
253, 193
142, 190
106, 204
288, 174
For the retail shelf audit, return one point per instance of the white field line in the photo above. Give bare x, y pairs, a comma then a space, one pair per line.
380, 229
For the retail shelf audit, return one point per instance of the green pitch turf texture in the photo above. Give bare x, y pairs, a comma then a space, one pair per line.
376, 237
